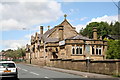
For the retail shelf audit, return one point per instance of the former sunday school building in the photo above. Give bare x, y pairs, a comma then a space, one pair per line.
64, 42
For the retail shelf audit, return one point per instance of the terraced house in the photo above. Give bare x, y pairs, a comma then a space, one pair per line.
64, 42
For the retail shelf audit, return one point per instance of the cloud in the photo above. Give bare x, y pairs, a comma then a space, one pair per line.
26, 14
82, 19
15, 44
104, 18
11, 24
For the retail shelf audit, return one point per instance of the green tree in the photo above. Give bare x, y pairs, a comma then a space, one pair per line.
116, 29
11, 54
113, 51
21, 52
103, 28
15, 54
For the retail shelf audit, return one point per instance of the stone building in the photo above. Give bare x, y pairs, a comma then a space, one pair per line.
64, 42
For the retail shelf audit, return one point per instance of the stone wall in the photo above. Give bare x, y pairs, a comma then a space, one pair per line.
39, 62
110, 67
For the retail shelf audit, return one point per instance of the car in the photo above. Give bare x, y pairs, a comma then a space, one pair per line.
8, 69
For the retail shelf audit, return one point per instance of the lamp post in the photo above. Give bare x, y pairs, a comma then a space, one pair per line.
30, 49
44, 53
30, 56
87, 49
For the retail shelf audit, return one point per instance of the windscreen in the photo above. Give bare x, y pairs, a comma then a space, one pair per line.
7, 65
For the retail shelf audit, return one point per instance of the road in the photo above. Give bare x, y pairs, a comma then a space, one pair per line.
27, 71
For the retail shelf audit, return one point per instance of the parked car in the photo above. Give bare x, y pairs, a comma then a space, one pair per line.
8, 69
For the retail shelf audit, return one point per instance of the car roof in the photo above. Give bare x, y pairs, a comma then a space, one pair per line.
6, 62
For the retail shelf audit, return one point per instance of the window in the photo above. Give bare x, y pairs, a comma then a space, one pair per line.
77, 50
8, 65
98, 51
73, 50
38, 47
80, 50
93, 50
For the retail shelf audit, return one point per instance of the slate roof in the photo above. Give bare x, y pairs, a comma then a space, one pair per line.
40, 36
46, 34
80, 37
52, 39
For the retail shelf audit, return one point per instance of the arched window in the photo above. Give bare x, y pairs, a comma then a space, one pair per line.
73, 50
93, 50
96, 51
80, 50
77, 50
100, 51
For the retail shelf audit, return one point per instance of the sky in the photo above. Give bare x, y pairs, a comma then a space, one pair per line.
19, 19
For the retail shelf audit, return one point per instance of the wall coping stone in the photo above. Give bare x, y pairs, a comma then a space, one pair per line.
55, 59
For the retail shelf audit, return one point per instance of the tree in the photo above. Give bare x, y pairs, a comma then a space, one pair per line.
21, 52
116, 29
15, 54
113, 51
103, 28
2, 51
11, 54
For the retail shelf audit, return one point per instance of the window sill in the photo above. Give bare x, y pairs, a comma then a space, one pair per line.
96, 55
77, 55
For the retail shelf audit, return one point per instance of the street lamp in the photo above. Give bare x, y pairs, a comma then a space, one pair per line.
30, 49
30, 56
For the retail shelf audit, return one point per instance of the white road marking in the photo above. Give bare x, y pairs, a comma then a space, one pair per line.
34, 73
24, 70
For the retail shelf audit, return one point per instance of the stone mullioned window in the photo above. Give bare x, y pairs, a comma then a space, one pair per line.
77, 50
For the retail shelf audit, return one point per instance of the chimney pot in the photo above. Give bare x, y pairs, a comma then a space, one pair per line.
48, 27
60, 33
41, 29
95, 33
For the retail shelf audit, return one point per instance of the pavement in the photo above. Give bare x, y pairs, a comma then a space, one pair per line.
83, 74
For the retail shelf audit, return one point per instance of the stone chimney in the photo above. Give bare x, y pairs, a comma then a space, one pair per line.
48, 27
32, 39
36, 35
95, 33
100, 37
60, 33
41, 29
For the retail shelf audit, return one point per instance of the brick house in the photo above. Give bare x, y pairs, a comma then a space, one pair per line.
64, 42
